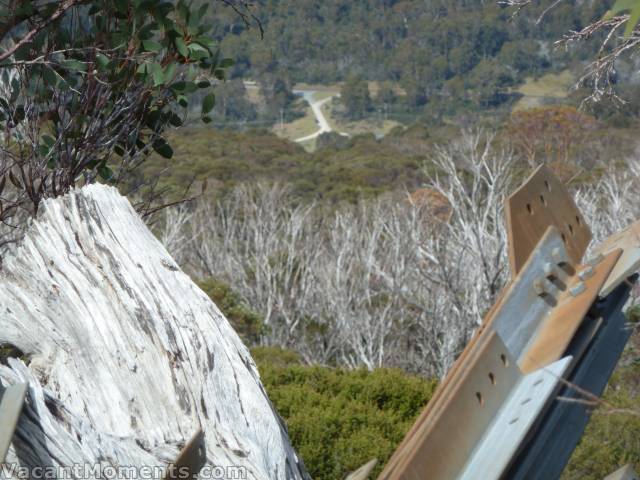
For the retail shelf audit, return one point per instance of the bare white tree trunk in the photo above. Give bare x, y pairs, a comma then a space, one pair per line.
126, 357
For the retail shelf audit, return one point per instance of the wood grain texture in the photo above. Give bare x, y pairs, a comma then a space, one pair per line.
127, 356
629, 263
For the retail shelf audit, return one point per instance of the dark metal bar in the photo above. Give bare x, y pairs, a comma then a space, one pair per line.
552, 442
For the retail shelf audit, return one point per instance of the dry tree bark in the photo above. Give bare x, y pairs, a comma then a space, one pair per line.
125, 356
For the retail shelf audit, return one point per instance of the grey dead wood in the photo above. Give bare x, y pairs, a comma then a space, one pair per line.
125, 356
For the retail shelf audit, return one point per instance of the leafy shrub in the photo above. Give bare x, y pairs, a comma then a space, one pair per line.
612, 437
340, 419
247, 323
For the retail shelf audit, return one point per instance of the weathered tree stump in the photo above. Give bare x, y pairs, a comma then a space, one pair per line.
125, 356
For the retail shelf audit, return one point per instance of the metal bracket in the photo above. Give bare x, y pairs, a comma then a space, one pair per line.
445, 438
541, 202
553, 335
190, 460
10, 409
507, 432
629, 241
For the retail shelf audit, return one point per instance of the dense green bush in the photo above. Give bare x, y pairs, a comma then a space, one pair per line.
340, 419
247, 323
612, 437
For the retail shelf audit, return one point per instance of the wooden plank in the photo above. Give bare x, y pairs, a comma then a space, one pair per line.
528, 398
542, 201
473, 404
629, 263
10, 408
554, 334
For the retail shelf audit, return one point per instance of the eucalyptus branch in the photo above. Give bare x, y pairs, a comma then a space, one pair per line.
44, 23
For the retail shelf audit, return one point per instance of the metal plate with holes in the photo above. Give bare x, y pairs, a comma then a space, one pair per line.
528, 398
11, 405
559, 430
543, 201
629, 263
436, 404
443, 392
442, 444
190, 460
516, 315
549, 342
524, 307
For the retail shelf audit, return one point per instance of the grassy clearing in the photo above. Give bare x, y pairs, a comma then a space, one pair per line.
309, 145
539, 91
374, 88
377, 127
254, 95
333, 88
321, 95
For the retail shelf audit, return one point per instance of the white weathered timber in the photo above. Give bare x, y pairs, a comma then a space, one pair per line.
127, 357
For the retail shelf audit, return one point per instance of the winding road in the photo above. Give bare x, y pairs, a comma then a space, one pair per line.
316, 108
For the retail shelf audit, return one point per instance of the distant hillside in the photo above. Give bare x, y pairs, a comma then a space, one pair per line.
443, 53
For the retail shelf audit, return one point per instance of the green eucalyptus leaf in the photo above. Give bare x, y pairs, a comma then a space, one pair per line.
48, 140
157, 73
162, 148
621, 6
208, 103
181, 47
226, 63
151, 46
49, 76
170, 72
105, 172
102, 60
175, 120
74, 65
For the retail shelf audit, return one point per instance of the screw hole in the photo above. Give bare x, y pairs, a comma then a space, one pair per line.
543, 200
505, 360
479, 397
570, 228
578, 220
529, 209
546, 184
564, 238
492, 378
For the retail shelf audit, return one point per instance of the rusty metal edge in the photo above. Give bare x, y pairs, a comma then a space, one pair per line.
11, 405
